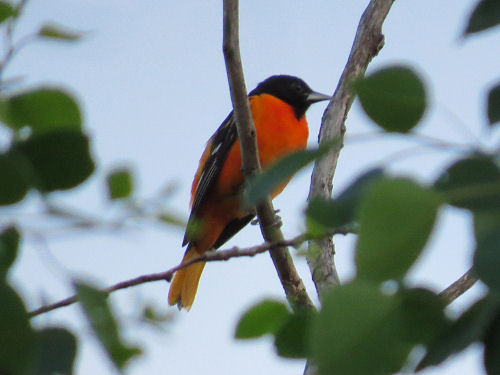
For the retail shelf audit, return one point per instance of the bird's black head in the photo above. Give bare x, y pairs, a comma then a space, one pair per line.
291, 90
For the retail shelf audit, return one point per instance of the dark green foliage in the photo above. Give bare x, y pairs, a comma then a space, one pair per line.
56, 32
59, 160
485, 15
9, 243
393, 97
14, 175
17, 338
120, 184
469, 328
472, 182
42, 109
56, 351
360, 330
6, 11
261, 319
101, 319
396, 218
494, 105
325, 216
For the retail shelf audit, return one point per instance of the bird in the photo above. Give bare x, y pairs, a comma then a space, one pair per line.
278, 106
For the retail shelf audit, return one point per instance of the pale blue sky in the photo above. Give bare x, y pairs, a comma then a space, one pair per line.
151, 81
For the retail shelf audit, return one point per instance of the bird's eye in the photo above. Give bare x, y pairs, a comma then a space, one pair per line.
297, 88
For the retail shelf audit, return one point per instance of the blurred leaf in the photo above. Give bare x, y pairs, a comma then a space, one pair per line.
487, 259
492, 348
473, 183
9, 243
328, 215
393, 97
396, 219
99, 315
6, 11
17, 337
485, 222
273, 177
291, 338
263, 318
423, 315
485, 15
154, 317
357, 332
52, 31
56, 351
43, 109
60, 160
120, 184
494, 105
470, 327
14, 172
172, 219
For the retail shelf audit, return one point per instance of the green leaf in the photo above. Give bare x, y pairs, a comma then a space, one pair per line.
396, 219
52, 31
357, 332
487, 259
485, 15
99, 315
473, 183
492, 348
120, 184
6, 11
17, 337
278, 174
423, 315
264, 318
494, 105
291, 338
9, 243
42, 109
327, 215
56, 351
393, 97
60, 160
14, 174
470, 327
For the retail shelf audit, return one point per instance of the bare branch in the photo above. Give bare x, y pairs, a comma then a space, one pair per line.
459, 287
211, 256
367, 43
292, 284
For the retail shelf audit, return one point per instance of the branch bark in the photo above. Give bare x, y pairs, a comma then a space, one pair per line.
292, 284
221, 255
367, 43
459, 287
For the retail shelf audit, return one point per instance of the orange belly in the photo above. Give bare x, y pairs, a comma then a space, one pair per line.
279, 133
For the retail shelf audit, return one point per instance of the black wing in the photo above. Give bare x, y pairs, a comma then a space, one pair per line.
220, 144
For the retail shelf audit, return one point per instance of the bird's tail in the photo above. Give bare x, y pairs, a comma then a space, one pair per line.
185, 282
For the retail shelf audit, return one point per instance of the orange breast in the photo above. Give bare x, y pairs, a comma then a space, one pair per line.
279, 133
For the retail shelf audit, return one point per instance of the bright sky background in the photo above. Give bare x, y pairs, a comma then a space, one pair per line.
151, 81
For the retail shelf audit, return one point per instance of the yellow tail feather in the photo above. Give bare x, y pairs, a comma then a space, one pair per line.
185, 283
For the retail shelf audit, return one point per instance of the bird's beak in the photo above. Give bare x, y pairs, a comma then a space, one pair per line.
314, 97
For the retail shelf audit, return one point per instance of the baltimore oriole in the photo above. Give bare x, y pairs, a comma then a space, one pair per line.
278, 107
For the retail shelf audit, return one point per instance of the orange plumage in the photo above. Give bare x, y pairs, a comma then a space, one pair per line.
278, 108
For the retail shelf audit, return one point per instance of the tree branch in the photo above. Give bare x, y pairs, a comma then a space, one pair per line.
210, 256
367, 43
292, 284
459, 287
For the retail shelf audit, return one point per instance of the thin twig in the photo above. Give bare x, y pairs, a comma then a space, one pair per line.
292, 284
367, 43
211, 256
459, 287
